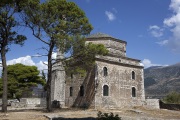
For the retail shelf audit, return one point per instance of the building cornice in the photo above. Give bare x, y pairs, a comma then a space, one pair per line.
105, 38
127, 58
119, 63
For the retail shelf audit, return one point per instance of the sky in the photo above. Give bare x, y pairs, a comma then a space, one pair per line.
151, 29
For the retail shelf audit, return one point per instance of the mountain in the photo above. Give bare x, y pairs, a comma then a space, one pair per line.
161, 80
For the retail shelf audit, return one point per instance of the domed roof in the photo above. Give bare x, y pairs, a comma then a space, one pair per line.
99, 35
103, 36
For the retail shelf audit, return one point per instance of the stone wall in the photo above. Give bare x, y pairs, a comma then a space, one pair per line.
36, 101
169, 106
115, 47
76, 100
123, 90
152, 103
119, 81
123, 60
29, 102
120, 86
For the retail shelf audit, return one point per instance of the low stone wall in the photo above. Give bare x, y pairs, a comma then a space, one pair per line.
18, 105
152, 103
169, 106
30, 102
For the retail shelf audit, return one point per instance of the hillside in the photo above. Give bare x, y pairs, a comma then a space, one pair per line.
161, 80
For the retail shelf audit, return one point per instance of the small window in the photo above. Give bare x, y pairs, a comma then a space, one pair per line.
71, 75
119, 60
71, 91
82, 90
105, 90
133, 92
105, 71
133, 75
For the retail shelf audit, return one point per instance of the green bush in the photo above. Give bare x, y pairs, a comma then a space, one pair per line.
172, 97
107, 116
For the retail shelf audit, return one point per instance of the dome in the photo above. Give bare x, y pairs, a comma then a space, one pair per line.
99, 35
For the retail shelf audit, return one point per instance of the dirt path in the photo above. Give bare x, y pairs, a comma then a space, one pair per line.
126, 114
22, 116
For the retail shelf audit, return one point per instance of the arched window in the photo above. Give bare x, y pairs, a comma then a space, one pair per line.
133, 92
71, 75
105, 90
82, 90
105, 71
71, 91
133, 75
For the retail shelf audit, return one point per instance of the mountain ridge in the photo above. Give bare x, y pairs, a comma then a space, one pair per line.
161, 80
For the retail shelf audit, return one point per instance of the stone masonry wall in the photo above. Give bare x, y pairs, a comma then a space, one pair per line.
114, 47
119, 79
123, 60
58, 81
120, 86
89, 90
29, 102
152, 103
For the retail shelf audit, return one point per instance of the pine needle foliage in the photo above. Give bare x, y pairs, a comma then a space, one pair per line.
83, 55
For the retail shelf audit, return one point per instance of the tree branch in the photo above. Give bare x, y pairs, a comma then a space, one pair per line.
38, 55
37, 36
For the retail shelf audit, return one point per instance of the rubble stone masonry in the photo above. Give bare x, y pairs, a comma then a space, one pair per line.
115, 81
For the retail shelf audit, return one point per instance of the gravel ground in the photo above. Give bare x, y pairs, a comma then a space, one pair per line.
126, 114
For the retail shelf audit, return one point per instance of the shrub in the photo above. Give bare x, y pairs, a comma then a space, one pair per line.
107, 116
172, 97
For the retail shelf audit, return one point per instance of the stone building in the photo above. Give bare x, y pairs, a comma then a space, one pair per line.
115, 82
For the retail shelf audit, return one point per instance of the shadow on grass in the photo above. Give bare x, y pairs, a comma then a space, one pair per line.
60, 118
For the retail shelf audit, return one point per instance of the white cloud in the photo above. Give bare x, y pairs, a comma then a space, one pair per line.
156, 31
42, 65
175, 5
163, 43
23, 60
173, 23
154, 27
54, 55
27, 60
147, 63
110, 15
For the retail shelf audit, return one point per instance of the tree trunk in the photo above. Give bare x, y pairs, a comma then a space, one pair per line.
48, 98
4, 78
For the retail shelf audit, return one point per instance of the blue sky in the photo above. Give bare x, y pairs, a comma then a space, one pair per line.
150, 27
